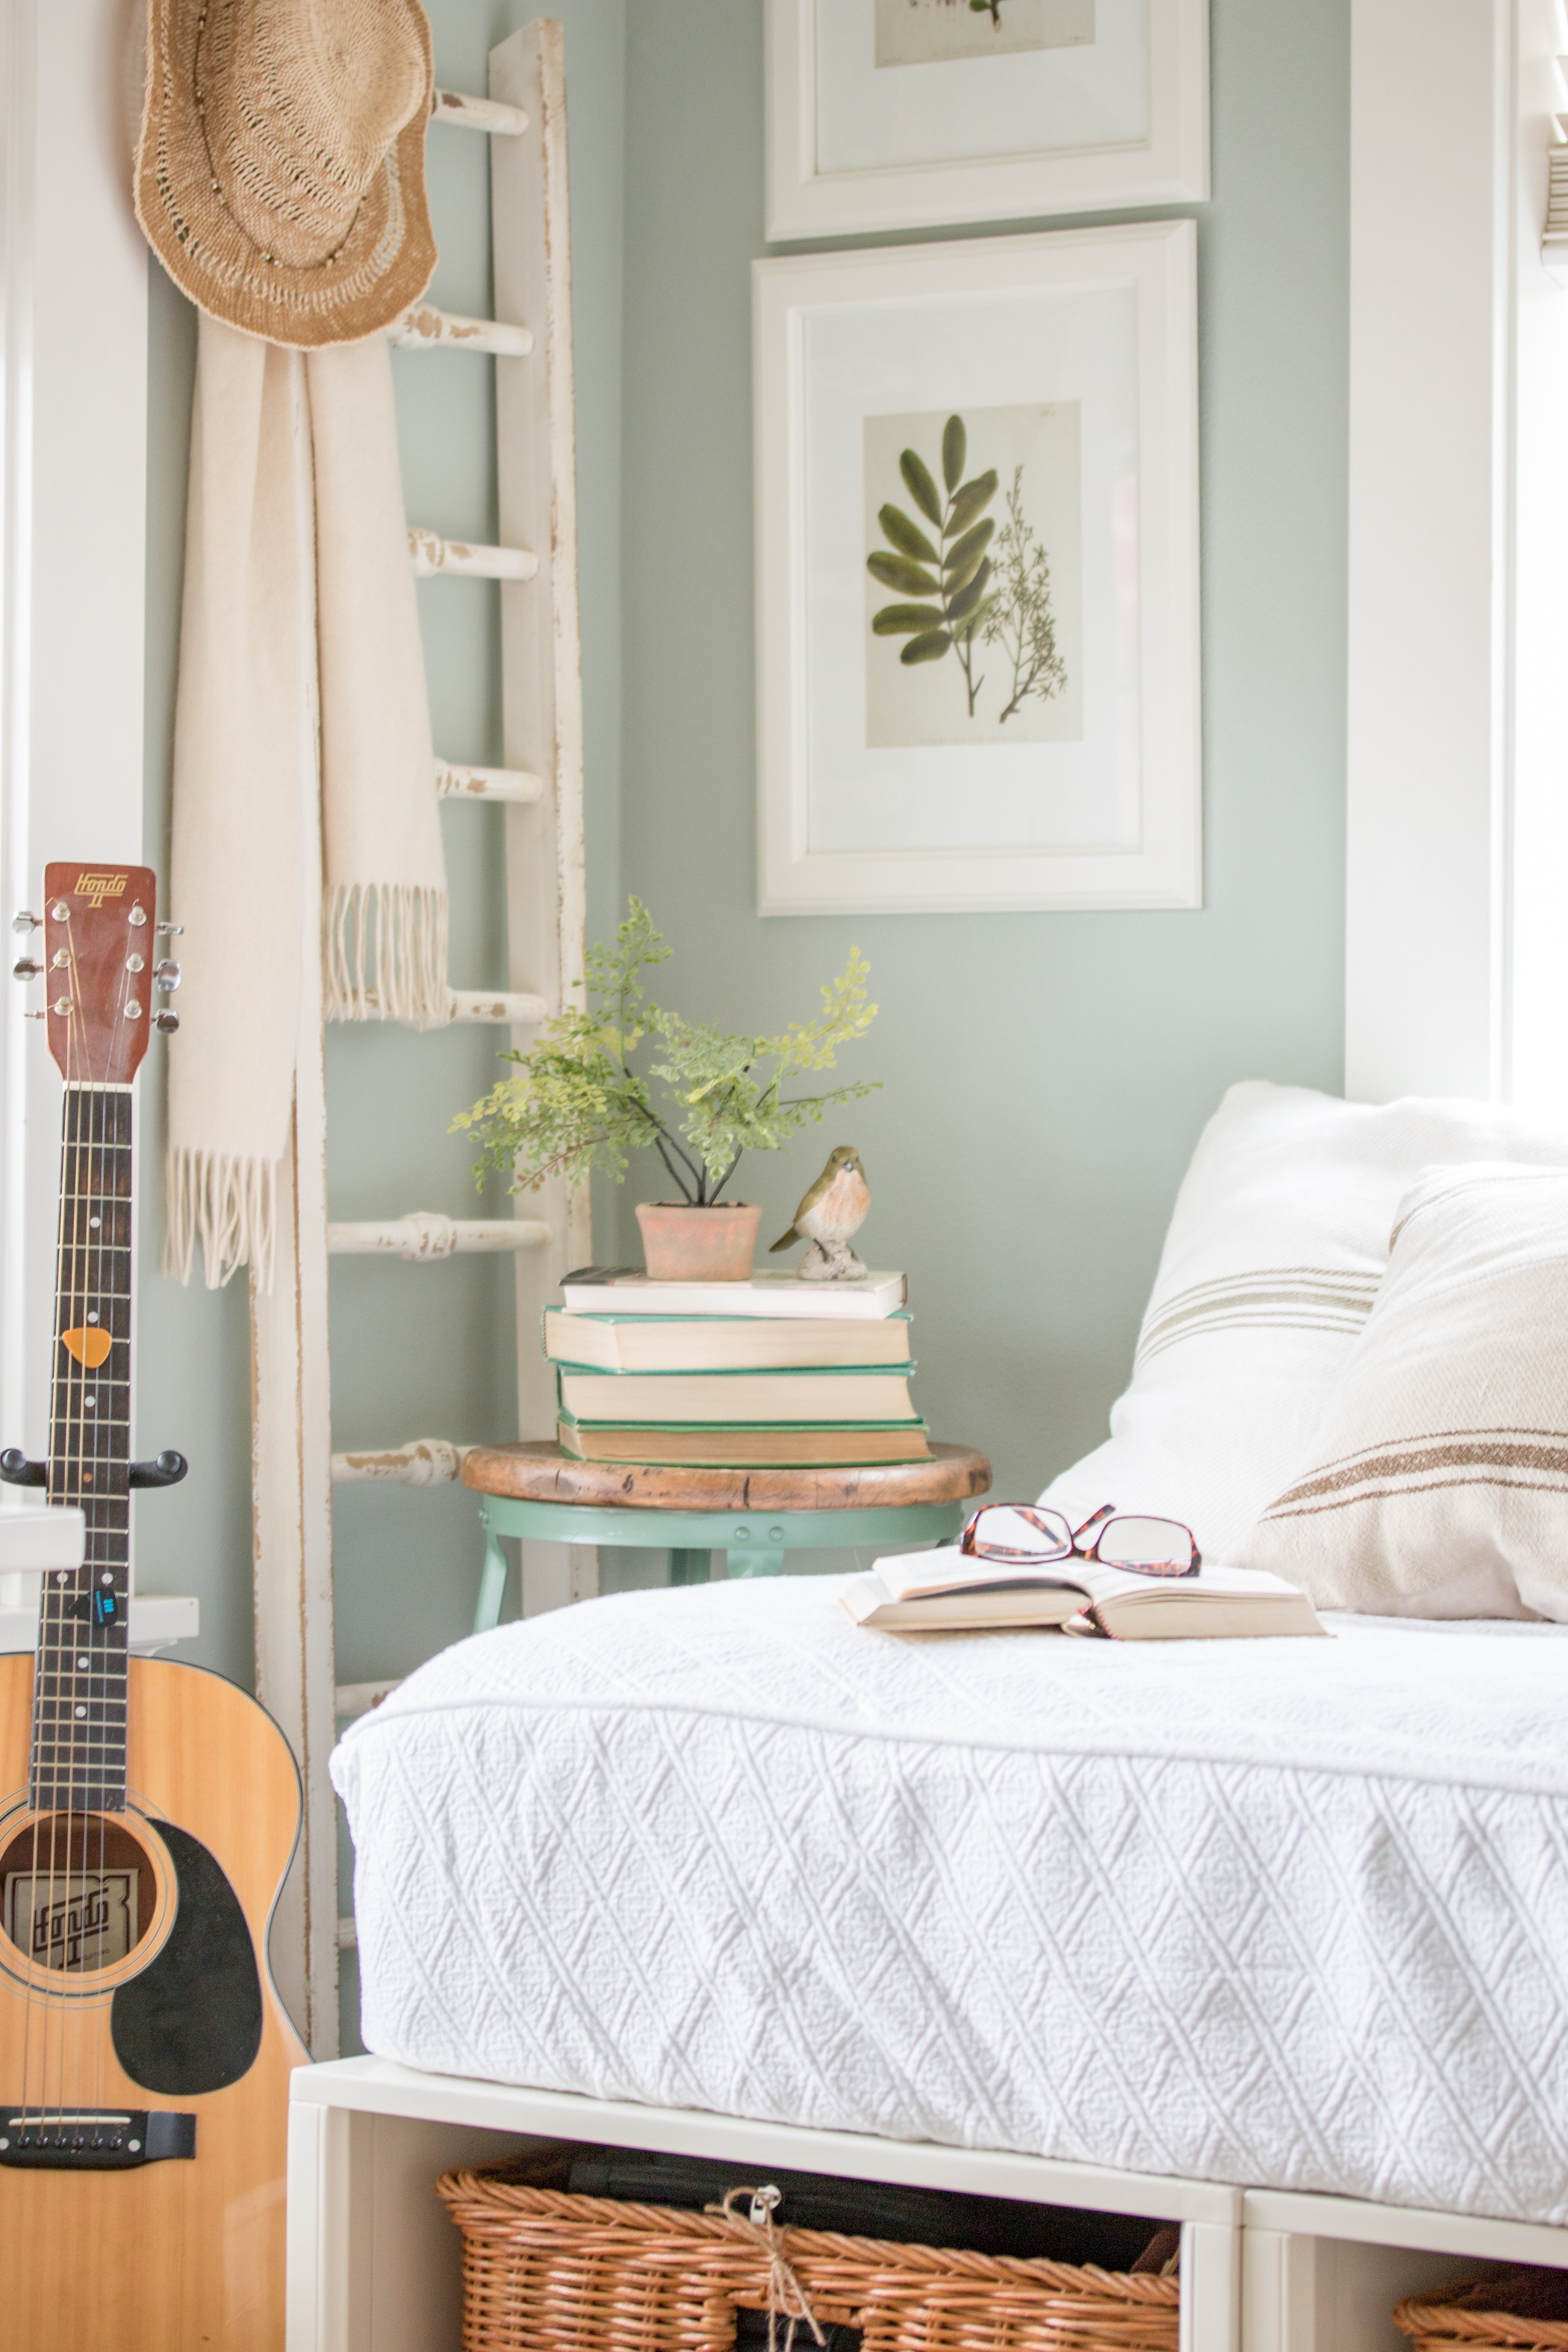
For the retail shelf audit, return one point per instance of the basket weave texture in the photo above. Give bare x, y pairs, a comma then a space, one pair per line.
546, 2272
1434, 2325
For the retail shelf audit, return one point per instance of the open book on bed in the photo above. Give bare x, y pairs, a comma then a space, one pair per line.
946, 1592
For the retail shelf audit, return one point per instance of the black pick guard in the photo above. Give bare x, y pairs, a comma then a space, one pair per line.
192, 2020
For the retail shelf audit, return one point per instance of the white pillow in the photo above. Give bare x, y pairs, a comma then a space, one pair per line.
1438, 1483
1277, 1244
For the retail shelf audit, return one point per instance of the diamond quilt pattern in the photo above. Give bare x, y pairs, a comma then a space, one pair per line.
1290, 1914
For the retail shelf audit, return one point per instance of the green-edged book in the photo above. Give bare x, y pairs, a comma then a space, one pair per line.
731, 1400
724, 1343
798, 1447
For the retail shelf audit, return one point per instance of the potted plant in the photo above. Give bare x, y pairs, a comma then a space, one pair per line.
576, 1103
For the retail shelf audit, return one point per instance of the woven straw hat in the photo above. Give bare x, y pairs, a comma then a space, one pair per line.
280, 169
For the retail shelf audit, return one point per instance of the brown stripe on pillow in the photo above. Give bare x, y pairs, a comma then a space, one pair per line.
1280, 1297
1437, 1483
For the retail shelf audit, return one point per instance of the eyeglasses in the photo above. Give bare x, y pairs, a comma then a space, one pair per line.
1023, 1535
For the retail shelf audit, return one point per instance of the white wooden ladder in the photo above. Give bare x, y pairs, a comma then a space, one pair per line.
293, 1465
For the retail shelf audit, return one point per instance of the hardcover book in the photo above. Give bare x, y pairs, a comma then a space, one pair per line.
626, 1290
725, 1343
735, 1399
745, 1449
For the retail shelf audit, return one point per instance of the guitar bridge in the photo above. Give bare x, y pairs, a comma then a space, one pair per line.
95, 2139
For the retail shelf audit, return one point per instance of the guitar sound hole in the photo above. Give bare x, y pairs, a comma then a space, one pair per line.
77, 1892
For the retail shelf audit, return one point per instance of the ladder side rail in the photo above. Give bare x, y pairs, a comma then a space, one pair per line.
541, 685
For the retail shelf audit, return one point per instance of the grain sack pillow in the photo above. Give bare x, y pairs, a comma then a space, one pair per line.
1276, 1244
1438, 1483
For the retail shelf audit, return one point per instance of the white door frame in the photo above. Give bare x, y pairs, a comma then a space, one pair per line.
73, 464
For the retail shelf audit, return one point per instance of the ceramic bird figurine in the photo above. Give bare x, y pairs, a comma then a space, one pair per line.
833, 1210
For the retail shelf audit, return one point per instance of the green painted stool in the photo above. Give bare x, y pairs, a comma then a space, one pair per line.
755, 1517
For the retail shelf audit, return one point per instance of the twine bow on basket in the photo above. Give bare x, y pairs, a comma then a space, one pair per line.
786, 2296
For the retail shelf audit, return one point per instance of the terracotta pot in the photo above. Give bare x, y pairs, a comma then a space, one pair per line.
682, 1244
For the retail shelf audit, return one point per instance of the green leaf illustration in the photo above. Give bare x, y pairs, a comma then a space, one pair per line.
906, 536
971, 500
921, 488
930, 647
897, 571
963, 560
961, 608
905, 620
954, 450
978, 618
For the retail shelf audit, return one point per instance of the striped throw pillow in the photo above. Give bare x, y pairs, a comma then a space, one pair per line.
1276, 1244
1438, 1483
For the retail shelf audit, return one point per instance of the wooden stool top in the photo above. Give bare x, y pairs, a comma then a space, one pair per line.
539, 1471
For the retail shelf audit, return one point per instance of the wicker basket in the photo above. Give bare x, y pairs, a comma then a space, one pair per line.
544, 2272
1434, 2325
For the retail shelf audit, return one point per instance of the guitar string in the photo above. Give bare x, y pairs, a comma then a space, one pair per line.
116, 1166
59, 1479
104, 1117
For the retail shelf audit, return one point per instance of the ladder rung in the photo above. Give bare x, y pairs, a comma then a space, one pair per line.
519, 1011
479, 1004
358, 1698
426, 1234
432, 554
423, 1461
478, 113
348, 1936
453, 783
423, 327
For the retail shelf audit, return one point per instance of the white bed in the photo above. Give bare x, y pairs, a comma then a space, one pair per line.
1287, 1913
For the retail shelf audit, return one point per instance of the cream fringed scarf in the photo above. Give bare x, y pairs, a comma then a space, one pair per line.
299, 601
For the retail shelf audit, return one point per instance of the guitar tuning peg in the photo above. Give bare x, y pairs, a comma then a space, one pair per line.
169, 930
24, 921
25, 968
167, 1022
166, 974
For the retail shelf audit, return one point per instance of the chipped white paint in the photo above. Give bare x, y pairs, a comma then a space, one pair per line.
358, 1698
426, 1234
423, 1461
455, 784
478, 113
424, 327
456, 556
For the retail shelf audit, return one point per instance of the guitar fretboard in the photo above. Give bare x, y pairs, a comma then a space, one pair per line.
78, 1705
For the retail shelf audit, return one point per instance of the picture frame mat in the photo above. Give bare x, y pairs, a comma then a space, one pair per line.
1171, 167
1164, 867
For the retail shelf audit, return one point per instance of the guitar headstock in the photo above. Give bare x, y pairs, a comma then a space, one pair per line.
98, 952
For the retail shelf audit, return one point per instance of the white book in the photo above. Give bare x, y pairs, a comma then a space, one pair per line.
623, 1290
945, 1590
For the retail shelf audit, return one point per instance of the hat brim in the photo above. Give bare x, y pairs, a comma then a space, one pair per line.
384, 265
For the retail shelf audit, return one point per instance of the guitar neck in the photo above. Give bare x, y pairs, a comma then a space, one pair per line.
80, 1691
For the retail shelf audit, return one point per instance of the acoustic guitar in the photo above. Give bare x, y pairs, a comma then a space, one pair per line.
148, 1809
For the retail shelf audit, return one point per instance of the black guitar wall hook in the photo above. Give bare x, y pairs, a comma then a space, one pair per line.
166, 1469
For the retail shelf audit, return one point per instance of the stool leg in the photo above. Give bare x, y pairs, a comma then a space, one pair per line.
690, 1566
755, 1563
492, 1585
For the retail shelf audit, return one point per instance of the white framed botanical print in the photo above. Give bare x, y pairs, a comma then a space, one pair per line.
886, 114
977, 575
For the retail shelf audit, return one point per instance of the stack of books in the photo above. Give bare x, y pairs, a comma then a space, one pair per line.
734, 1375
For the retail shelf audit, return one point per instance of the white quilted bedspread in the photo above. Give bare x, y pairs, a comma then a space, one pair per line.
1292, 1914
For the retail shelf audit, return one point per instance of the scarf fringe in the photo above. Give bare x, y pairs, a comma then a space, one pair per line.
385, 949
229, 1206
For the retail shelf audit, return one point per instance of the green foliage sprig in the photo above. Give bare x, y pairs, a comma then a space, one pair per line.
956, 571
576, 1102
1021, 619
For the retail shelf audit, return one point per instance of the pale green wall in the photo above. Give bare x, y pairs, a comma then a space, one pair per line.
1046, 1076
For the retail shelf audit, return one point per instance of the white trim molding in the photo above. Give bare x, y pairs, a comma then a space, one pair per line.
1456, 953
1430, 368
73, 470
